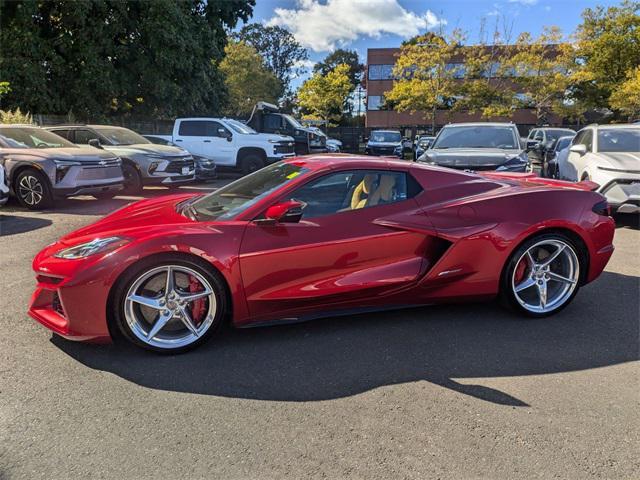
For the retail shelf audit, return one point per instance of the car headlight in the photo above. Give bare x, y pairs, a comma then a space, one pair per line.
97, 245
273, 140
515, 163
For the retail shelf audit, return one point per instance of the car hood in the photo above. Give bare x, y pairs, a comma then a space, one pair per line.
143, 215
383, 144
147, 149
80, 154
622, 160
471, 157
272, 136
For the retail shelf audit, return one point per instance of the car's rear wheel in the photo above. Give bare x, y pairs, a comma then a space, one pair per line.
543, 275
170, 306
132, 180
33, 190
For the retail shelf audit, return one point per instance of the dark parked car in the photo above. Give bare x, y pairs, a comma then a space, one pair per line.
478, 146
385, 143
422, 144
551, 169
540, 142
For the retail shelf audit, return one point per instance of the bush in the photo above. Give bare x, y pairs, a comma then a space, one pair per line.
15, 116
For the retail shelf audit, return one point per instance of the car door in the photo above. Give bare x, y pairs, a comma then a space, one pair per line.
202, 137
577, 163
341, 251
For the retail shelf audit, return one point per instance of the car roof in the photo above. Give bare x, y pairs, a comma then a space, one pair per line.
18, 125
480, 124
616, 126
385, 130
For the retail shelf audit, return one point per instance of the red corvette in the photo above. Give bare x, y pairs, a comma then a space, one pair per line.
320, 236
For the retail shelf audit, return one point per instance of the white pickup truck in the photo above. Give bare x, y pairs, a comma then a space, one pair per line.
229, 143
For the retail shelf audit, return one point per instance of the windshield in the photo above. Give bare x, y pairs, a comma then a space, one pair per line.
121, 136
478, 136
563, 143
33, 137
619, 140
240, 127
233, 199
293, 121
556, 134
386, 137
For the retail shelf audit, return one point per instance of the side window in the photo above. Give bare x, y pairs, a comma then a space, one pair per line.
195, 128
532, 134
83, 136
587, 140
212, 129
272, 122
577, 140
353, 190
64, 134
539, 136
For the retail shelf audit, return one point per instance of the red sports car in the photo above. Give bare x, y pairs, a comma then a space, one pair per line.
321, 236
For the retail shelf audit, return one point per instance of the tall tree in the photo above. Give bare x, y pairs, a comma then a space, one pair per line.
247, 79
425, 80
101, 57
283, 55
608, 49
342, 56
323, 96
626, 96
540, 69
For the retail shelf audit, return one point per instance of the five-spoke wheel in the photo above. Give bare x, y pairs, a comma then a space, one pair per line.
543, 275
172, 306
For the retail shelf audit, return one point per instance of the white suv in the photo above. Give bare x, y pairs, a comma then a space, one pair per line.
608, 155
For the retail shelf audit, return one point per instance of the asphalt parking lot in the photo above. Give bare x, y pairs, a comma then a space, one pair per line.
459, 391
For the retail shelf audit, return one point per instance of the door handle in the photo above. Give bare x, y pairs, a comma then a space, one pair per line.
207, 141
178, 139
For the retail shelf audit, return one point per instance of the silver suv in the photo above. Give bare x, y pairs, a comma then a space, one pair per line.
41, 166
143, 162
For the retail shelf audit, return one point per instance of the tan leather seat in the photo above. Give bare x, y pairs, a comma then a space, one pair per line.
384, 192
362, 192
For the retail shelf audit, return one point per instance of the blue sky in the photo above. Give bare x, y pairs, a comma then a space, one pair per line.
323, 25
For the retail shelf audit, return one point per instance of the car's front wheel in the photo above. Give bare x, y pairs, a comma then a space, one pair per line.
543, 275
171, 305
33, 190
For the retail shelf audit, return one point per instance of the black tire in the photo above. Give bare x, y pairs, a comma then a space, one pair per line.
507, 296
251, 163
132, 273
105, 195
132, 179
33, 190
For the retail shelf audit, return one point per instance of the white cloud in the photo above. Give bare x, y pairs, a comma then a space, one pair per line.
524, 2
304, 64
324, 26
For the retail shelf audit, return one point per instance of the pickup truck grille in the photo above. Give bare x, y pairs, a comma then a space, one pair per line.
176, 166
284, 147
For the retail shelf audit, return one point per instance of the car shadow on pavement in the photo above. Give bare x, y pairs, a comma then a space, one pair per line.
627, 220
339, 357
12, 225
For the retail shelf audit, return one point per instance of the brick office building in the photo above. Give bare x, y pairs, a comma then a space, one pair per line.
379, 79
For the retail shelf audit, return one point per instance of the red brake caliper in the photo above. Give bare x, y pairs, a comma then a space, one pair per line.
521, 270
197, 306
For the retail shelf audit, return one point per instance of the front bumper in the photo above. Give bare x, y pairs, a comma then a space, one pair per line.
88, 189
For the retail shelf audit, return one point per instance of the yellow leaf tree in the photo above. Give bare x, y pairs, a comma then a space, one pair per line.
324, 96
247, 79
626, 97
423, 73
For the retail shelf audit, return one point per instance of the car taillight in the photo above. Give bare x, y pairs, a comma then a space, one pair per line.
602, 208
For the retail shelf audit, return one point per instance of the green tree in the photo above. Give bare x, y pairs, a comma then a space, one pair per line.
608, 50
102, 57
626, 96
282, 53
247, 79
323, 96
541, 72
338, 57
424, 78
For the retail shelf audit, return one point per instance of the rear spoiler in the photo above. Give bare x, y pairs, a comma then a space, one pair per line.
586, 185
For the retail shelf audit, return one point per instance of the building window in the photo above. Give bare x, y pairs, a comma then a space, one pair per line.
458, 69
375, 102
380, 72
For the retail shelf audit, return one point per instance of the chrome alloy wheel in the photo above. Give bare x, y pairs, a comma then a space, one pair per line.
30, 190
545, 276
170, 306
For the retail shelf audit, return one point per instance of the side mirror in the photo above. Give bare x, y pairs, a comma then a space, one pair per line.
285, 212
533, 145
95, 143
579, 149
224, 133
